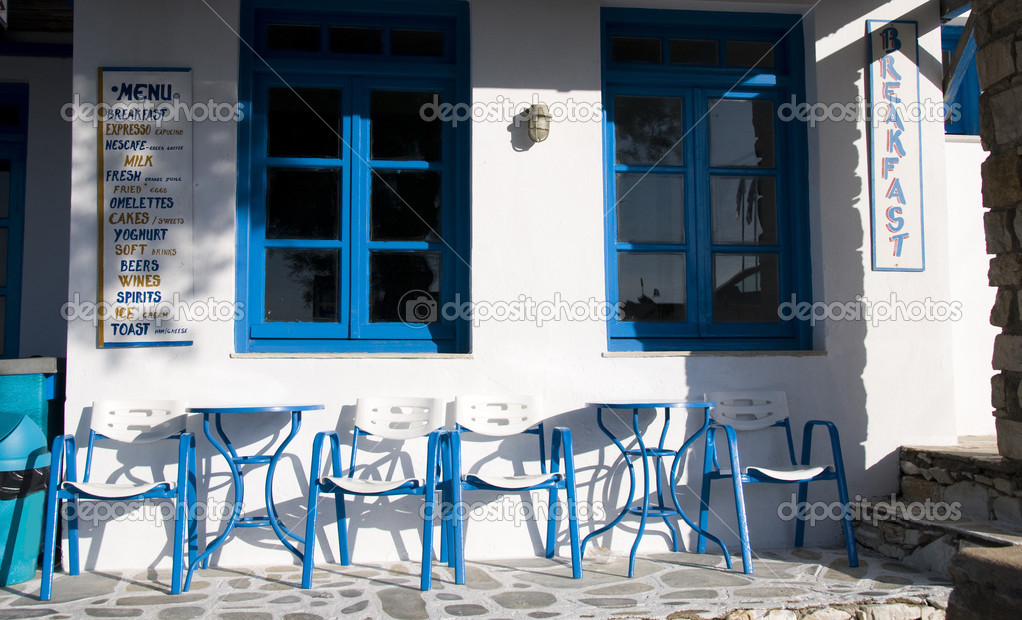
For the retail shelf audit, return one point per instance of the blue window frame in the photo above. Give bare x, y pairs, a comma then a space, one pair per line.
963, 116
705, 186
13, 138
352, 202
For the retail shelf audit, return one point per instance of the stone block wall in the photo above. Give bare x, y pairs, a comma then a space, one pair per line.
998, 34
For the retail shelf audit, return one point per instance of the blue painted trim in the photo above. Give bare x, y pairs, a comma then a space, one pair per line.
36, 50
966, 99
355, 75
14, 149
696, 86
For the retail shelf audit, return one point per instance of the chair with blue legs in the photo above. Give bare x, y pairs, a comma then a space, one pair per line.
125, 421
397, 419
745, 413
506, 416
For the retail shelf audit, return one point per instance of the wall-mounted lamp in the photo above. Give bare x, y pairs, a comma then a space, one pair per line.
539, 122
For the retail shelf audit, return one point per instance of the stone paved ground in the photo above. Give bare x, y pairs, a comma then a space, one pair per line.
664, 584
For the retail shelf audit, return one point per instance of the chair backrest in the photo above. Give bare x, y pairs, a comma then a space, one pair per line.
138, 421
399, 417
749, 410
497, 416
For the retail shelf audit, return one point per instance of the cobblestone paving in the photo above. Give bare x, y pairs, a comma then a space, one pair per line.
664, 584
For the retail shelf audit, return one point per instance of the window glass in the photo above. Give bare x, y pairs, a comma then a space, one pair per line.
635, 49
286, 37
750, 54
304, 122
741, 133
694, 52
404, 287
302, 203
301, 285
417, 42
744, 210
651, 287
745, 288
398, 130
648, 130
348, 40
405, 206
650, 208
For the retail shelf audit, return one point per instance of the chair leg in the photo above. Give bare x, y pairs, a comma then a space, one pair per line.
704, 497
49, 546
800, 513
842, 491
180, 521
309, 553
428, 521
573, 536
72, 536
458, 534
342, 528
193, 523
743, 523
553, 514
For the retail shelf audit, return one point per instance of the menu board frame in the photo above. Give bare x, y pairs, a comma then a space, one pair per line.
145, 206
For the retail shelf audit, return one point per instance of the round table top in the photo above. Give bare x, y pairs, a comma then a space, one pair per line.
653, 404
256, 408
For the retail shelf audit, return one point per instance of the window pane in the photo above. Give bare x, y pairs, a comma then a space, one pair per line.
694, 52
10, 114
302, 204
301, 285
405, 206
356, 40
398, 130
741, 133
3, 256
292, 38
745, 288
651, 287
750, 54
5, 189
417, 42
744, 209
635, 49
404, 287
304, 122
648, 130
651, 208
3, 323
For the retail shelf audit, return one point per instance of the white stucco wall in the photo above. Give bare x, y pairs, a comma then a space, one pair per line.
973, 336
47, 192
537, 229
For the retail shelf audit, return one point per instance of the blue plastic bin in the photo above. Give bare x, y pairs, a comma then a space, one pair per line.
24, 473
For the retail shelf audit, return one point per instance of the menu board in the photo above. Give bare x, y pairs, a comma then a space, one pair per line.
896, 148
145, 207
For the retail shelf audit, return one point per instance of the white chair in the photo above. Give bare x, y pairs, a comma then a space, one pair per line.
387, 418
746, 412
505, 416
133, 422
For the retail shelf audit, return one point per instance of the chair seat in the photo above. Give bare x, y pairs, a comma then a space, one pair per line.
371, 487
512, 482
783, 473
115, 491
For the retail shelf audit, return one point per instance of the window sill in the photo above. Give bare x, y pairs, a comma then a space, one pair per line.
714, 353
410, 356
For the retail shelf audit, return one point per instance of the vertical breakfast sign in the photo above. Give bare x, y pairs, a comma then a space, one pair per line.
145, 206
895, 138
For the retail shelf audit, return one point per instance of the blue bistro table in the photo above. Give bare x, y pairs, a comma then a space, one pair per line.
657, 455
236, 462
